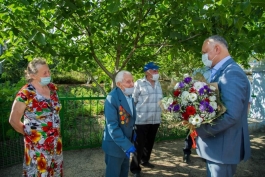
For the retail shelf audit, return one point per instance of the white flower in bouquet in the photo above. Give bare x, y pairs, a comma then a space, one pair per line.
192, 97
212, 98
191, 120
196, 120
213, 104
170, 100
212, 115
194, 103
198, 85
184, 98
185, 95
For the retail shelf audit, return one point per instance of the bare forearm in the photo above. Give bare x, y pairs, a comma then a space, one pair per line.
17, 112
18, 126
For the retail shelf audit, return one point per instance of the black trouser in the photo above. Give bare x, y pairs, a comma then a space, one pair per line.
187, 145
144, 144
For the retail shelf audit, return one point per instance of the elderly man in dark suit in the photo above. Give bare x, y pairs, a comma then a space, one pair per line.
118, 136
227, 142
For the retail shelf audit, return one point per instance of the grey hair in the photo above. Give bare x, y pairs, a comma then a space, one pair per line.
120, 75
215, 38
33, 67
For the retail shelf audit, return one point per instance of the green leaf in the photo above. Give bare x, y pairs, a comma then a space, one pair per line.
260, 3
70, 5
25, 2
18, 56
114, 6
42, 25
239, 23
34, 32
15, 31
225, 2
246, 7
40, 38
247, 10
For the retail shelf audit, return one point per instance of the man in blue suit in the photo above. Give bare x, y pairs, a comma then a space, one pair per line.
225, 143
118, 136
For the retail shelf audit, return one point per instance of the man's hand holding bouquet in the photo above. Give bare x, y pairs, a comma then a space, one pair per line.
193, 102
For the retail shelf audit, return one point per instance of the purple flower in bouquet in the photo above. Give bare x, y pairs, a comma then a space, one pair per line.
193, 102
174, 107
170, 108
204, 90
187, 80
207, 89
201, 91
203, 105
210, 109
181, 85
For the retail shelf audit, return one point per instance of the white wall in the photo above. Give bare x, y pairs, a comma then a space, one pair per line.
257, 109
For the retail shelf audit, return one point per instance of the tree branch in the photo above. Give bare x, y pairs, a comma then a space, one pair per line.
131, 52
56, 26
94, 80
189, 38
93, 50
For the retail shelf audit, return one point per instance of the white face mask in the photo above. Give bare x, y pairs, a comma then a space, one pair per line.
155, 77
206, 61
128, 91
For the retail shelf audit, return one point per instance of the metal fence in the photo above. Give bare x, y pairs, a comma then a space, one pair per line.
82, 124
11, 143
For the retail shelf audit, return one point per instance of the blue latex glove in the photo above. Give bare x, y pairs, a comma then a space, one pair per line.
130, 150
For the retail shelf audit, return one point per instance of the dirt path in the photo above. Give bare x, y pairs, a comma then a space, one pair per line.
166, 156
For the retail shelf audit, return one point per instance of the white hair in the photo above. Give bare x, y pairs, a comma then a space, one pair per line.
120, 75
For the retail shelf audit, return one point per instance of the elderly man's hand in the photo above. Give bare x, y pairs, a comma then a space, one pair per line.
130, 150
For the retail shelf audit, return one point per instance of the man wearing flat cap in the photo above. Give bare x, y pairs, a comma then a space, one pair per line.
147, 94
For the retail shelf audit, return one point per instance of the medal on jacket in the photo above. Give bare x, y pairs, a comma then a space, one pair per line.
124, 116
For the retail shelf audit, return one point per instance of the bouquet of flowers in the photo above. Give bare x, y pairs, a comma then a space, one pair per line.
193, 102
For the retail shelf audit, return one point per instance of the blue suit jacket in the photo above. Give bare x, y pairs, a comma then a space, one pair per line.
227, 141
117, 133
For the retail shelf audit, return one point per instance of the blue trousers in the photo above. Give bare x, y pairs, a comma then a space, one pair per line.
116, 167
220, 170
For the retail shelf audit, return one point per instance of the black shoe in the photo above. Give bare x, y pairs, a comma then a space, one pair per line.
148, 165
136, 175
186, 158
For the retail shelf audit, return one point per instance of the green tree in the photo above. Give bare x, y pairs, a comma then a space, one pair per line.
108, 36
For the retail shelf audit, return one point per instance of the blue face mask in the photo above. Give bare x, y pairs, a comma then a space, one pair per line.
128, 91
45, 80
